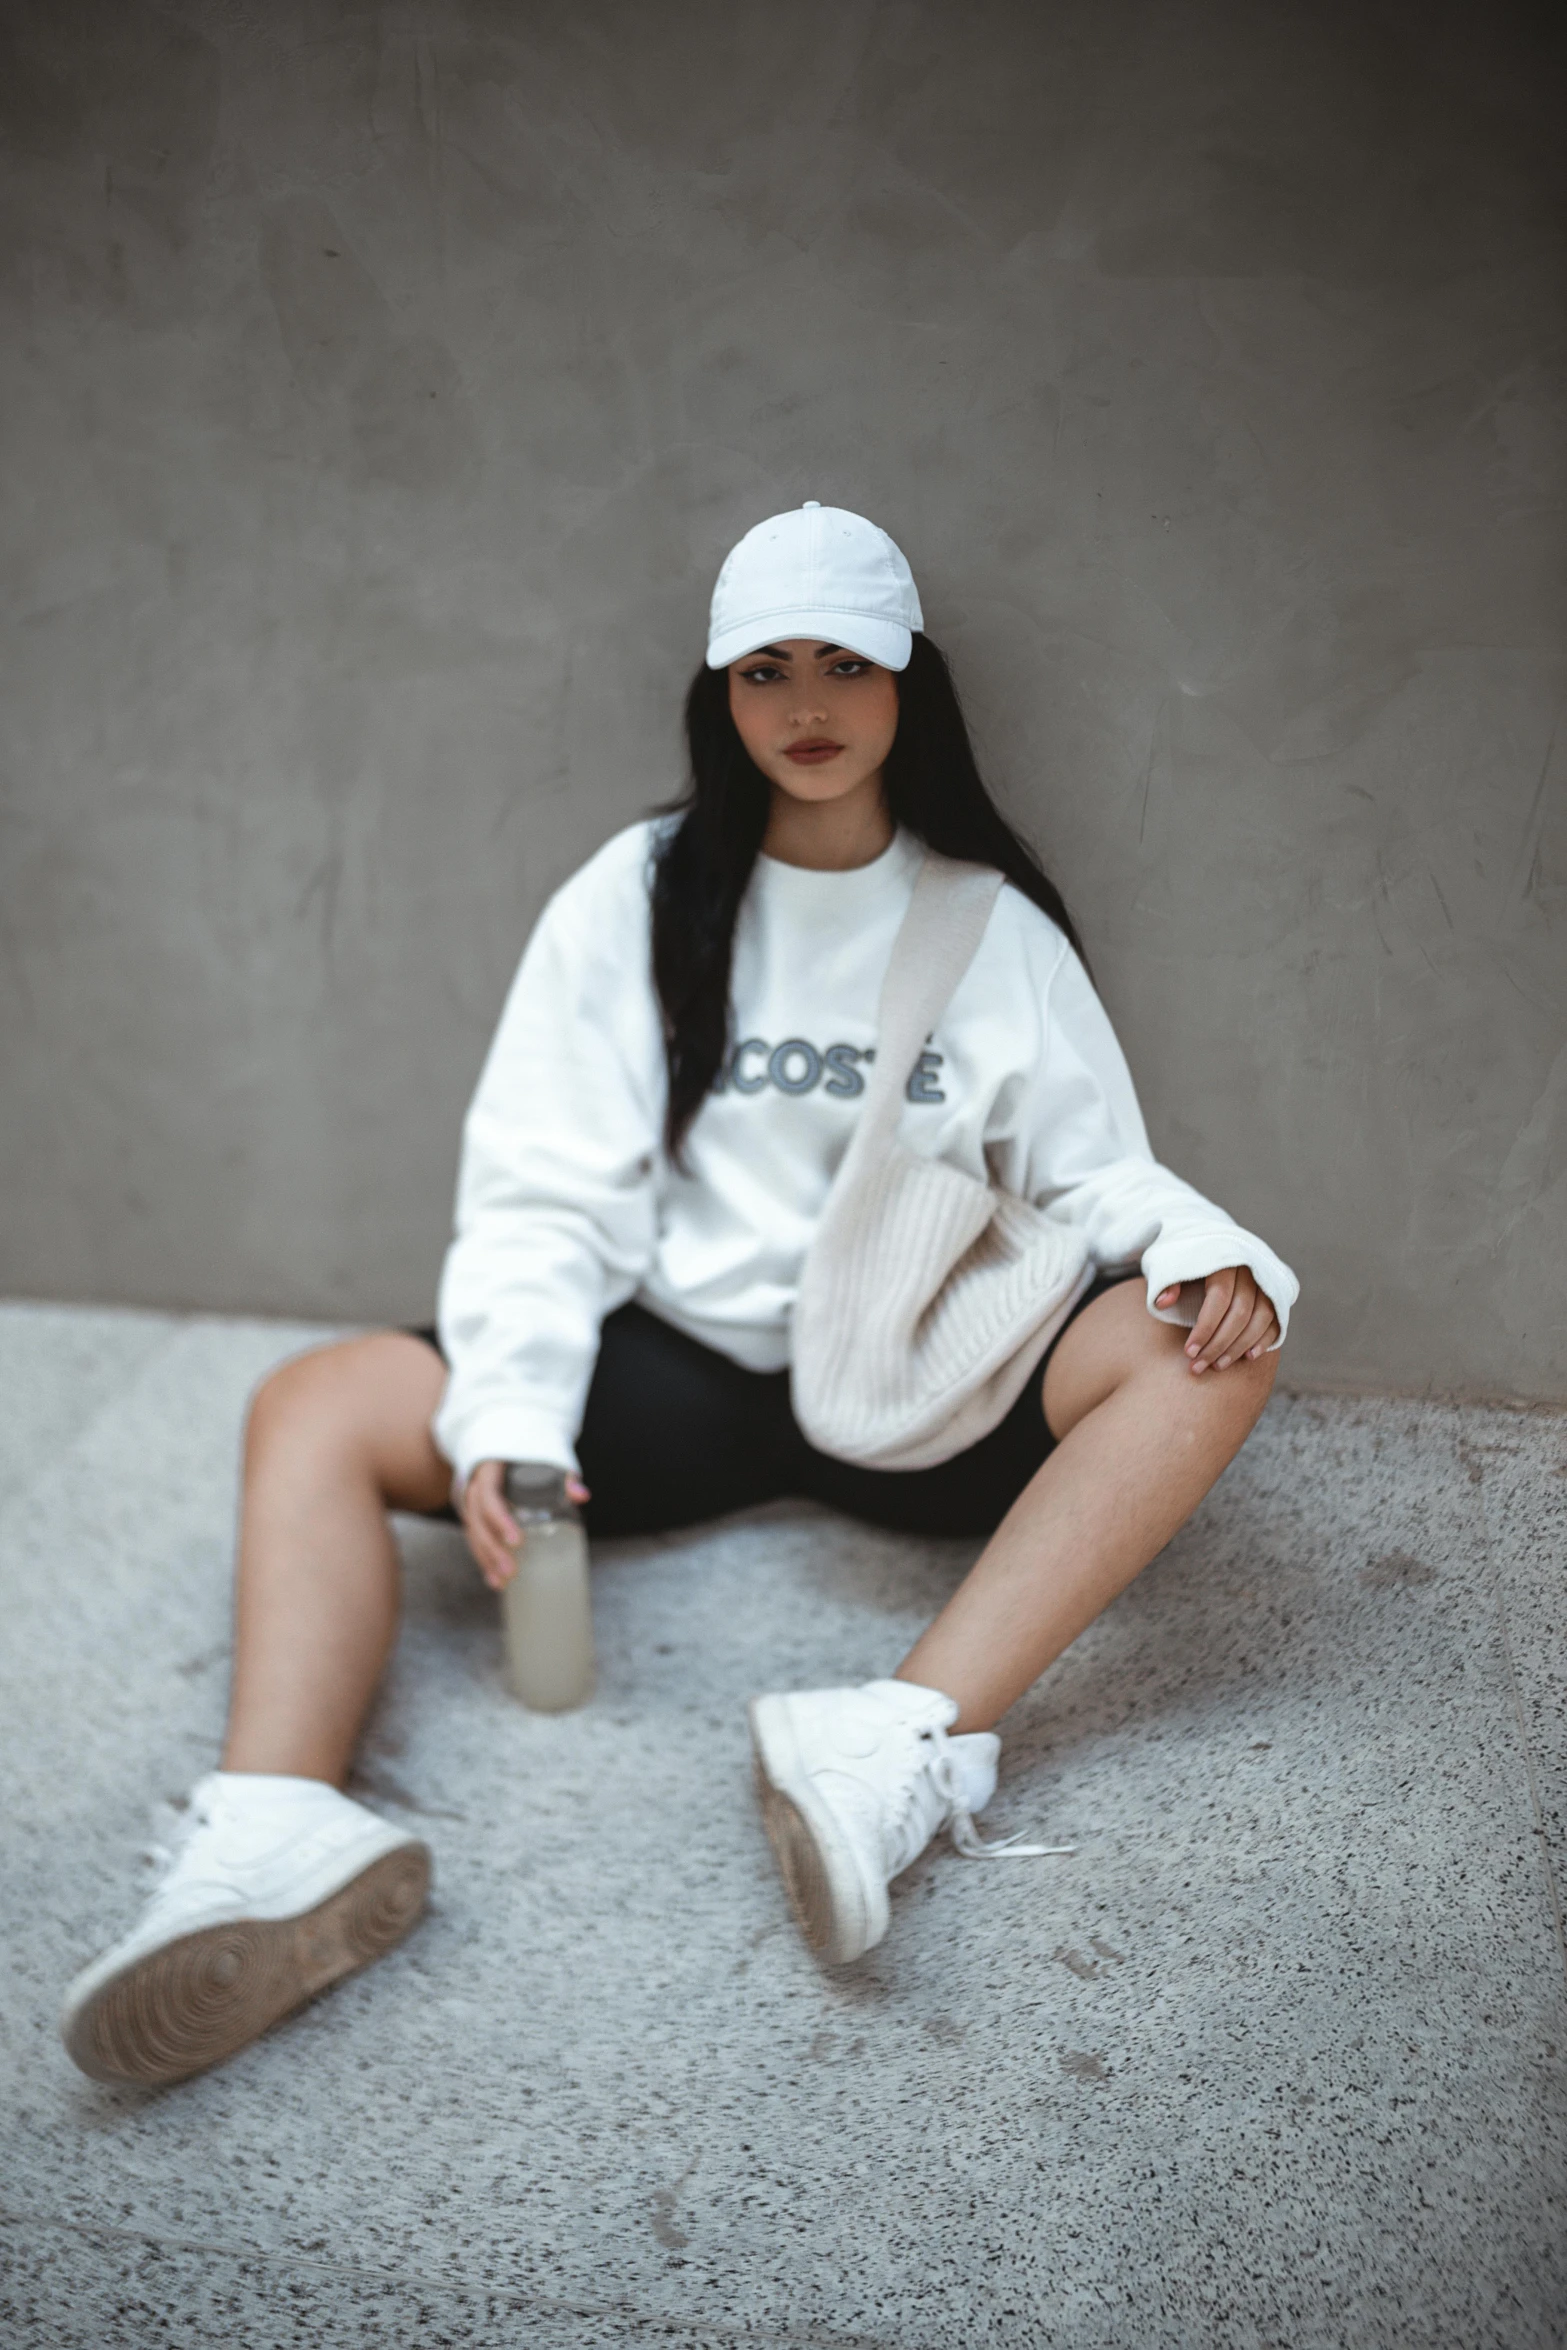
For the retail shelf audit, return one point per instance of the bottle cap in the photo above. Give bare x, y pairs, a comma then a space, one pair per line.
537, 1490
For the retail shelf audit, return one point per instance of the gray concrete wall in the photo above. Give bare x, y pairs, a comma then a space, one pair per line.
383, 383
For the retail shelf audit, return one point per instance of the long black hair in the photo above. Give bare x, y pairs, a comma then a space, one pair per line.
703, 863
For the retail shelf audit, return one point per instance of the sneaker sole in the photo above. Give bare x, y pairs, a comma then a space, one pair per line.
200, 1999
836, 1912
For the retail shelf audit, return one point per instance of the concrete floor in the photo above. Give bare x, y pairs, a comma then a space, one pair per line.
1276, 2060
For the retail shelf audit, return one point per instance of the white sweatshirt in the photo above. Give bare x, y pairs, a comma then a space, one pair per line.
567, 1204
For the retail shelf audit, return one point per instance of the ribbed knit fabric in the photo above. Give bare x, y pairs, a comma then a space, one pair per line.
926, 1298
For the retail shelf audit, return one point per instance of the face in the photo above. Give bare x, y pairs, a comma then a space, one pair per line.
817, 720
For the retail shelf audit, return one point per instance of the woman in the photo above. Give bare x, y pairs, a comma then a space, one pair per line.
672, 1087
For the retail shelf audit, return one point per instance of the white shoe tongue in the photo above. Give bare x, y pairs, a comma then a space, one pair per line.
974, 1757
263, 1795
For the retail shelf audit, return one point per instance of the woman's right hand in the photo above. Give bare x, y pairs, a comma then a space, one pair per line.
494, 1536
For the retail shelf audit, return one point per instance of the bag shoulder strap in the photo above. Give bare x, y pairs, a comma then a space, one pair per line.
937, 940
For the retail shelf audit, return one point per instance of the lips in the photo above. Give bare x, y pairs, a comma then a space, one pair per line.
814, 753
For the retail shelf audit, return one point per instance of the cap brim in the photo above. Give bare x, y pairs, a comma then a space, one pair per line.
885, 641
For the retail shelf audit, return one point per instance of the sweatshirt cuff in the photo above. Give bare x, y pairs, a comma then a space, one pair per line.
1193, 1256
505, 1432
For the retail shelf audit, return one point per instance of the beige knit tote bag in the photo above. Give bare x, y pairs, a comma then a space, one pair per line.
927, 1298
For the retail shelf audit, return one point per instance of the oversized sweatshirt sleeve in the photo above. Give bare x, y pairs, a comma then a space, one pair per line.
555, 1219
1088, 1161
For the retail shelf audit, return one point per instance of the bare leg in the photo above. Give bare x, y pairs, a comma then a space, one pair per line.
336, 1439
1141, 1441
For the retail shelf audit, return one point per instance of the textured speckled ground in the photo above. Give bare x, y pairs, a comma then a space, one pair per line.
1278, 2059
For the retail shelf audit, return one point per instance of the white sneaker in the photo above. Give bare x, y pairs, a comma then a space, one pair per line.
277, 1888
854, 1784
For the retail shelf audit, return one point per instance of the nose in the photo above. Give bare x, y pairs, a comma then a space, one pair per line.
808, 712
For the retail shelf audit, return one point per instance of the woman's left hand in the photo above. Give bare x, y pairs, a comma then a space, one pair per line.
1236, 1323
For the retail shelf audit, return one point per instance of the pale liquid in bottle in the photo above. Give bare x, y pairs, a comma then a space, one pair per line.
546, 1615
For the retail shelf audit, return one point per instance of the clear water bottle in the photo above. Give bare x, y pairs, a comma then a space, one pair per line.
546, 1615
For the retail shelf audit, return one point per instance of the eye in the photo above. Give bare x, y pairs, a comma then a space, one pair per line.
851, 666
761, 673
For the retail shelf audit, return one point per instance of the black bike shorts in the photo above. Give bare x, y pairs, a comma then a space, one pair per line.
675, 1433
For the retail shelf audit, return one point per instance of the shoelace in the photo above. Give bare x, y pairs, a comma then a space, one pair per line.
177, 1826
966, 1838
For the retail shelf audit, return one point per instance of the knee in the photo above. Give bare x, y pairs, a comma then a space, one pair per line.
306, 1407
1240, 1391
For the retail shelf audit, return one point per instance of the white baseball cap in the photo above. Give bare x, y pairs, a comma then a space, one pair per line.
816, 571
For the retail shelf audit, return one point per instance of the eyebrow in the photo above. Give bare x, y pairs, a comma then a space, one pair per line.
780, 652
